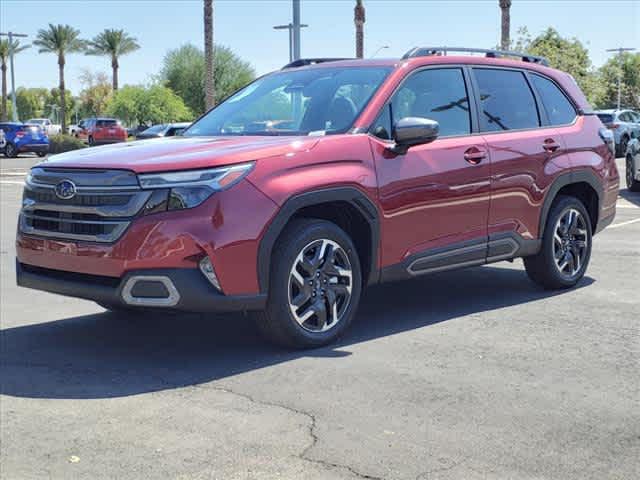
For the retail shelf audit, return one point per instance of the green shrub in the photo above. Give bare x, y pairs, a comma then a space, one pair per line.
64, 143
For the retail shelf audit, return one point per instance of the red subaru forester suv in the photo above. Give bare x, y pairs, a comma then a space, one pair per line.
313, 182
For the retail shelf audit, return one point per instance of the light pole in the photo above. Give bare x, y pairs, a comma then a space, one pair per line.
620, 50
383, 47
294, 32
14, 109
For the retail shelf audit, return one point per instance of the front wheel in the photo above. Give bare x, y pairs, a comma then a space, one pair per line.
91, 141
632, 183
41, 154
566, 246
315, 285
10, 150
624, 142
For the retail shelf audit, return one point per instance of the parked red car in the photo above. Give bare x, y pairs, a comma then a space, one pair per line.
379, 170
99, 131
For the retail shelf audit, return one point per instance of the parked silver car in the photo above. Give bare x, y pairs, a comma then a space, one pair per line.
621, 123
632, 163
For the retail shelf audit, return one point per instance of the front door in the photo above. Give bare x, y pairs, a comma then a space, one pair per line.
434, 198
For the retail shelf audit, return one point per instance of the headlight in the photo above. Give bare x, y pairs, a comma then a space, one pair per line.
188, 189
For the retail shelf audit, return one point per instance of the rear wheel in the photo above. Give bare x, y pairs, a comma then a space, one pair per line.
315, 285
632, 183
566, 246
41, 154
91, 142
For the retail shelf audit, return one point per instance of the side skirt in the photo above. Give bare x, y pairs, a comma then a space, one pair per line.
503, 246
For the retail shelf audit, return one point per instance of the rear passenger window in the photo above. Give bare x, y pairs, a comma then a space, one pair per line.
559, 109
436, 94
507, 102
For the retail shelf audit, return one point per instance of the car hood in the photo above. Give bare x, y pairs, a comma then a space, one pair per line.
181, 153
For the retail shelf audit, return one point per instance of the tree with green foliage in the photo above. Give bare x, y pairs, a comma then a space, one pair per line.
113, 44
60, 40
137, 105
184, 72
95, 93
53, 106
566, 54
5, 50
31, 102
629, 65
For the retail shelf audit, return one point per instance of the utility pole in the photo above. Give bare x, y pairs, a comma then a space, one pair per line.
294, 32
14, 109
620, 51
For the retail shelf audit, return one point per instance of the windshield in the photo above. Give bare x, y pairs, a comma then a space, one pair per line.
156, 129
318, 101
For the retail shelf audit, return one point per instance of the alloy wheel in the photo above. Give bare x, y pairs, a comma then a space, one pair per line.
570, 242
320, 283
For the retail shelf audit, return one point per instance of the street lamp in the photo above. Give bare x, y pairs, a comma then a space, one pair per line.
620, 50
294, 32
383, 47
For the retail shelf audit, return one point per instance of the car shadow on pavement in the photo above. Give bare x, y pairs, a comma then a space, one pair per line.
629, 196
108, 355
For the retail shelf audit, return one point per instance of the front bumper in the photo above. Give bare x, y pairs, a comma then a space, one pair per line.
194, 293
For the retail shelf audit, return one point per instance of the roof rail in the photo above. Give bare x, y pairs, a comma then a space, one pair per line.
301, 62
427, 51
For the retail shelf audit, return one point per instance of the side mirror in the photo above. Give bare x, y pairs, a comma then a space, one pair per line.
410, 131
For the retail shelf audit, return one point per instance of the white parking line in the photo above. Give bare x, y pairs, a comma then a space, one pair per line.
622, 224
11, 182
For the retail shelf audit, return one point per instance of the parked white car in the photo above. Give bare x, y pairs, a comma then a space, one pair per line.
46, 125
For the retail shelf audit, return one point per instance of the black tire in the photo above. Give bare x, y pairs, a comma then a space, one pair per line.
10, 151
41, 154
277, 322
622, 149
632, 183
542, 268
91, 142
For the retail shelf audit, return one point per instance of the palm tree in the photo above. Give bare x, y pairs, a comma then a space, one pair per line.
61, 40
112, 43
5, 50
209, 86
505, 40
358, 18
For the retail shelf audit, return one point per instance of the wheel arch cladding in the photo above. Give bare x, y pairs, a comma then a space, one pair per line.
347, 207
582, 184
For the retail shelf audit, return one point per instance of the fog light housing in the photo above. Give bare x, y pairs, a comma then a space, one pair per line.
206, 267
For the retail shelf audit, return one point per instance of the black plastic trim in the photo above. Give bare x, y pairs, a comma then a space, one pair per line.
196, 293
576, 176
494, 248
351, 195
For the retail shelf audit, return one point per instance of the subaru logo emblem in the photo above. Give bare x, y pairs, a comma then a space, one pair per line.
65, 190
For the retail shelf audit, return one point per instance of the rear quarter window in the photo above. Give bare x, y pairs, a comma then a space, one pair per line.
507, 102
559, 109
605, 117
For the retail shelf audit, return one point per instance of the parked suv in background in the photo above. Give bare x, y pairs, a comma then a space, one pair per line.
632, 164
22, 138
623, 123
99, 131
311, 183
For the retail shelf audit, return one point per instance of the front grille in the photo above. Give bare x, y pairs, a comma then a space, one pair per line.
105, 203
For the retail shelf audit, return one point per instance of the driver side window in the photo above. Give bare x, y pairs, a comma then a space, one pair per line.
437, 94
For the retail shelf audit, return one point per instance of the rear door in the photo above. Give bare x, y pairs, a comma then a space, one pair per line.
526, 153
435, 197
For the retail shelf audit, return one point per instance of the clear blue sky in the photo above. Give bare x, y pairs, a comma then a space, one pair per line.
246, 27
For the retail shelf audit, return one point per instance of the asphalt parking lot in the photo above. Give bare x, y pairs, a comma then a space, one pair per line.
474, 374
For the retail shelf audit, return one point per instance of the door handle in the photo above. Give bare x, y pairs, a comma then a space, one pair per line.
475, 155
550, 145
